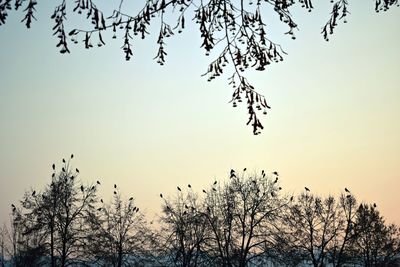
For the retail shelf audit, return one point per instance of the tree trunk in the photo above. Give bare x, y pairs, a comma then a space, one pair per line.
64, 252
120, 255
53, 263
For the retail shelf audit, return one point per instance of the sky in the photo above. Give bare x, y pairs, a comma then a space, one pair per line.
334, 122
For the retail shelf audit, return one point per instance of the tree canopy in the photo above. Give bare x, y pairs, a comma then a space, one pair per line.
236, 30
244, 220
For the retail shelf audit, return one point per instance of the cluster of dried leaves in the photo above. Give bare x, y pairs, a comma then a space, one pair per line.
236, 28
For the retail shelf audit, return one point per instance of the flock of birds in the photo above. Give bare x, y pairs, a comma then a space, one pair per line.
232, 175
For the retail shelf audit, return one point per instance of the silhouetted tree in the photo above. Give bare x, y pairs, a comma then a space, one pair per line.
241, 215
3, 244
376, 243
340, 252
118, 233
183, 230
55, 216
313, 223
237, 28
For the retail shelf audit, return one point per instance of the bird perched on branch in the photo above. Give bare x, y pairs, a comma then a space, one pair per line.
307, 190
179, 189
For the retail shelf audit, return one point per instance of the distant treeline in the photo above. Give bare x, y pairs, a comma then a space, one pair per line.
246, 220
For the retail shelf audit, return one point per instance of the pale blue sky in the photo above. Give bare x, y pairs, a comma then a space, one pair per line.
335, 118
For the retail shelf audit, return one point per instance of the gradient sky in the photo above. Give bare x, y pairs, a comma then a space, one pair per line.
334, 123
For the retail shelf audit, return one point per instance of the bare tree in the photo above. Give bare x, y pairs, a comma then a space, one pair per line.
54, 217
183, 230
117, 233
237, 28
376, 243
339, 251
3, 244
242, 215
312, 225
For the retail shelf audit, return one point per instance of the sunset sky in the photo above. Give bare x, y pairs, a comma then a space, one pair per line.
334, 122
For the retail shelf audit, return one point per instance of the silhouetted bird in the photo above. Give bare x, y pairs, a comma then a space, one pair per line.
275, 173
63, 160
186, 206
272, 194
72, 177
233, 173
374, 205
184, 213
101, 200
98, 182
348, 196
291, 198
13, 207
53, 175
276, 180
115, 186
54, 166
193, 209
179, 189
137, 209
280, 188
214, 189
82, 188
306, 188
99, 209
215, 182
244, 169
168, 208
115, 192
208, 209
63, 169
347, 190
93, 187
77, 170
131, 198
189, 186
204, 191
161, 195
72, 156
33, 193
